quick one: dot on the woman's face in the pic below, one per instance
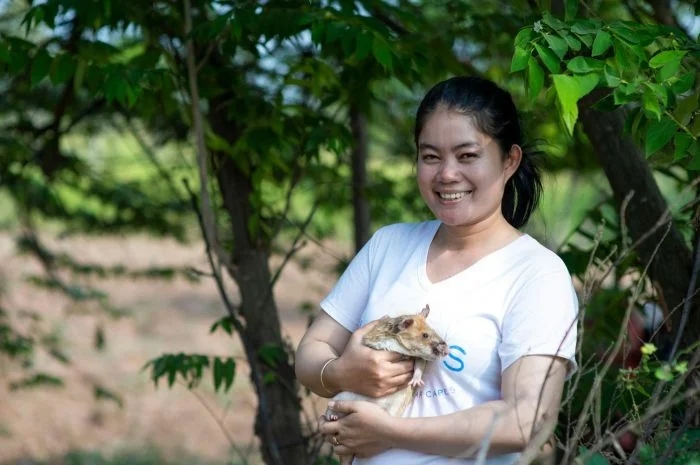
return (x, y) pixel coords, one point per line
(461, 171)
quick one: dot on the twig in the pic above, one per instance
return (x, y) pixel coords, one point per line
(688, 301)
(201, 152)
(219, 423)
(578, 431)
(631, 426)
(150, 154)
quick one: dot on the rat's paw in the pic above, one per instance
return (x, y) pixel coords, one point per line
(332, 417)
(416, 383)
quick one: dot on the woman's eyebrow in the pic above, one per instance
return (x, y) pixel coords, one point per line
(463, 145)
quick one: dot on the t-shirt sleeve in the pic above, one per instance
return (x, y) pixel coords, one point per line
(541, 320)
(348, 298)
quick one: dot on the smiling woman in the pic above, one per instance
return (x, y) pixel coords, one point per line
(504, 304)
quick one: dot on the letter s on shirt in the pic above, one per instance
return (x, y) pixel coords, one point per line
(456, 363)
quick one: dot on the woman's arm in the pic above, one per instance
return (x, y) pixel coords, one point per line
(356, 368)
(531, 387)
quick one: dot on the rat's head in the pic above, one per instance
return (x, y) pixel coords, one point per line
(414, 334)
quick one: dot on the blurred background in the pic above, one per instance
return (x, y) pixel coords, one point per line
(181, 182)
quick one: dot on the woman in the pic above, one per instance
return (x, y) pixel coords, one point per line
(503, 302)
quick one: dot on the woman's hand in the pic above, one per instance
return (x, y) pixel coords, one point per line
(362, 429)
(370, 372)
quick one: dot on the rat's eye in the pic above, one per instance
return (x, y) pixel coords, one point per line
(425, 335)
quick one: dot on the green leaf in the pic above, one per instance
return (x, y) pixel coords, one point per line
(664, 373)
(571, 9)
(669, 70)
(573, 43)
(694, 150)
(218, 372)
(684, 83)
(114, 88)
(586, 83)
(523, 37)
(659, 133)
(601, 44)
(363, 45)
(586, 26)
(627, 33)
(681, 141)
(567, 91)
(552, 22)
(4, 52)
(686, 107)
(229, 373)
(557, 45)
(612, 79)
(626, 58)
(40, 66)
(62, 68)
(624, 93)
(548, 57)
(382, 52)
(102, 393)
(584, 65)
(651, 103)
(668, 56)
(535, 78)
(347, 41)
(520, 59)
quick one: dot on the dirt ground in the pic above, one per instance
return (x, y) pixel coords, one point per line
(166, 317)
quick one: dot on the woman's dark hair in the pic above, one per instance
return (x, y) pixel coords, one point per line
(494, 114)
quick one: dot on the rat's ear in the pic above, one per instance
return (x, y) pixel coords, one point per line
(406, 323)
(426, 311)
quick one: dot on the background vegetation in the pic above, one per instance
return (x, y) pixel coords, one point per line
(277, 134)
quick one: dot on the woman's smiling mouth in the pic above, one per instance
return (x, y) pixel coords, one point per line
(453, 195)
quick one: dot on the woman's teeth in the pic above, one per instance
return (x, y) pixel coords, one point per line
(452, 196)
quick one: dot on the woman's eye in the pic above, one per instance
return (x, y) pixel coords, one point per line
(428, 156)
(467, 155)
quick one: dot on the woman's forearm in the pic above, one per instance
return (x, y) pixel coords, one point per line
(501, 427)
(311, 359)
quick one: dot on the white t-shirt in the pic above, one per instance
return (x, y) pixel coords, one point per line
(516, 301)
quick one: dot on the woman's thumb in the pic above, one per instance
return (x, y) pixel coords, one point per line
(341, 406)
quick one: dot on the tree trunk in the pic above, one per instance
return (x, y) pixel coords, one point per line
(278, 420)
(262, 324)
(358, 126)
(627, 170)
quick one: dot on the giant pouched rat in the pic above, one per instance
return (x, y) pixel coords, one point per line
(409, 335)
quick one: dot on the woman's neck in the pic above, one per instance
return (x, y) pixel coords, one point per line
(492, 233)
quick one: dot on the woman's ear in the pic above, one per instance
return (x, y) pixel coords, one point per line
(513, 159)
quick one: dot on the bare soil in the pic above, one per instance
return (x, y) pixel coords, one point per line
(166, 317)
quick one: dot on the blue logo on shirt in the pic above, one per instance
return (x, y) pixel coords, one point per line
(456, 364)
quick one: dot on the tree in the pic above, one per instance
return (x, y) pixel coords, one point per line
(257, 88)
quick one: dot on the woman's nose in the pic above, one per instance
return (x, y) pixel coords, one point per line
(449, 170)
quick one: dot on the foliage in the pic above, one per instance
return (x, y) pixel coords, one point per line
(653, 67)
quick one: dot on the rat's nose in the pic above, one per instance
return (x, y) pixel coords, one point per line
(440, 349)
